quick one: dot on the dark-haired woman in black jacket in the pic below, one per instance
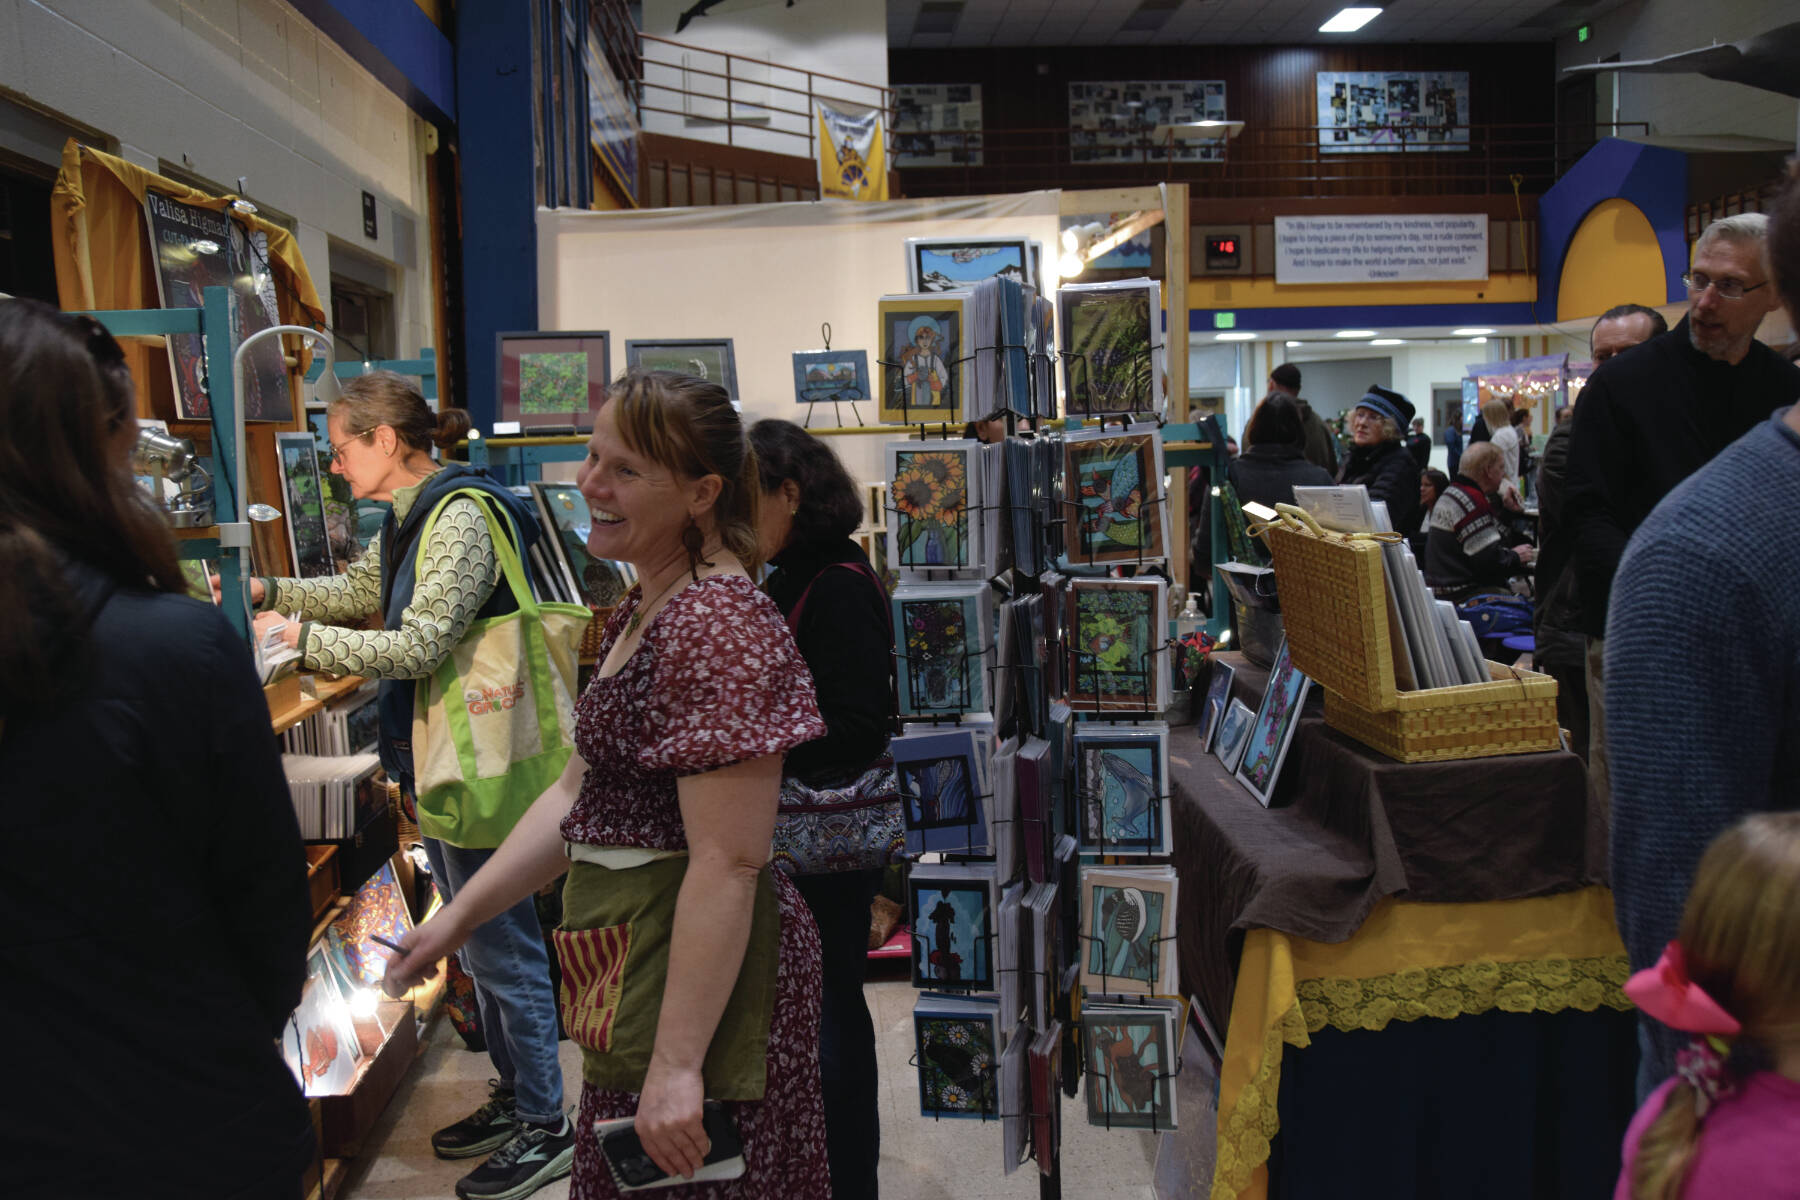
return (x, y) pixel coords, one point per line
(808, 511)
(1274, 457)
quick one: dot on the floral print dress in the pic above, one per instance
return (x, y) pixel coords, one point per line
(716, 680)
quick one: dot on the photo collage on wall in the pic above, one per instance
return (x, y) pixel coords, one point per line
(1364, 112)
(1115, 121)
(937, 125)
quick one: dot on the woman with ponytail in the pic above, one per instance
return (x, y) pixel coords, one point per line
(428, 597)
(1726, 1126)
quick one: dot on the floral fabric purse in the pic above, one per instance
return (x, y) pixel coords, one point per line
(856, 826)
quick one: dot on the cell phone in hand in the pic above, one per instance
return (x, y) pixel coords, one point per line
(634, 1170)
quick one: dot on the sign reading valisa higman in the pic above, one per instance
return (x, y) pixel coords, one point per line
(1390, 249)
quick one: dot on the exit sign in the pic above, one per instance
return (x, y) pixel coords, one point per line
(1582, 34)
(1224, 320)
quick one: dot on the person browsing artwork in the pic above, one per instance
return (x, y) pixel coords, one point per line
(825, 587)
(428, 597)
(154, 946)
(690, 969)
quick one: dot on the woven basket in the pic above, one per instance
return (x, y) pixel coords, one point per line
(591, 637)
(1334, 602)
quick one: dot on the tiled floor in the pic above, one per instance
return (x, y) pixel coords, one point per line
(921, 1159)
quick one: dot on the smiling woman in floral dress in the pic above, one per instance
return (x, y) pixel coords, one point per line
(668, 811)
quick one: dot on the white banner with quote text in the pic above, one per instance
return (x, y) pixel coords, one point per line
(1381, 249)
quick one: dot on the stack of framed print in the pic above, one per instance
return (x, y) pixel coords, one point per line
(926, 367)
(953, 909)
(1121, 789)
(1116, 510)
(711, 359)
(943, 790)
(1129, 1056)
(1118, 657)
(958, 1050)
(1272, 730)
(308, 539)
(1128, 930)
(937, 501)
(595, 582)
(1111, 347)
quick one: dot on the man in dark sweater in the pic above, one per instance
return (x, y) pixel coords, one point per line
(1465, 544)
(1650, 418)
(1561, 646)
(1321, 448)
(1699, 742)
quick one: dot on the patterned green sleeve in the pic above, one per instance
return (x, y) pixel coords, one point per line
(343, 598)
(457, 575)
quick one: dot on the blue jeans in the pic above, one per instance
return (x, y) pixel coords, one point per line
(511, 969)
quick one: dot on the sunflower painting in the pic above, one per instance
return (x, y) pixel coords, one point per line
(929, 496)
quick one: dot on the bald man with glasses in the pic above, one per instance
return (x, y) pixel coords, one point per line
(1649, 419)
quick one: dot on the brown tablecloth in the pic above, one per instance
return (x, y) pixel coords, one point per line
(1348, 825)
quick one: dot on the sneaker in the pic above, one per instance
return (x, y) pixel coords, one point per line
(485, 1129)
(534, 1157)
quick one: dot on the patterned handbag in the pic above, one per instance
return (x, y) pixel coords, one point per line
(856, 826)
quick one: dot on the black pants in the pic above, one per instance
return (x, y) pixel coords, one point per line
(840, 907)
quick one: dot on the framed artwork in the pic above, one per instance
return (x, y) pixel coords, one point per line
(1273, 728)
(958, 264)
(198, 248)
(304, 505)
(1115, 642)
(932, 494)
(1114, 121)
(552, 379)
(946, 633)
(1121, 790)
(1117, 510)
(1111, 347)
(1130, 1066)
(377, 908)
(830, 376)
(941, 790)
(937, 125)
(952, 911)
(958, 1051)
(1370, 112)
(319, 1042)
(1234, 733)
(1128, 930)
(704, 358)
(596, 582)
(1212, 709)
(924, 371)
(343, 511)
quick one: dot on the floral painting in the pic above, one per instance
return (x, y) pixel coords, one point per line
(1111, 647)
(956, 1067)
(943, 667)
(1273, 728)
(930, 494)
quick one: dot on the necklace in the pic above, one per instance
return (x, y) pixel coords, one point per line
(637, 617)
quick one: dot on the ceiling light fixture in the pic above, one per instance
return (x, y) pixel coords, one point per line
(1234, 337)
(1349, 20)
(1354, 333)
(1291, 345)
(1472, 332)
(1479, 341)
(1388, 342)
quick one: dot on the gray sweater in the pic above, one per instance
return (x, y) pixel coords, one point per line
(1702, 679)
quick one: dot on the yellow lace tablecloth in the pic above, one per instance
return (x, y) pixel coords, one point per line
(1408, 961)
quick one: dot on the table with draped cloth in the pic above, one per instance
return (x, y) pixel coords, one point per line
(1416, 967)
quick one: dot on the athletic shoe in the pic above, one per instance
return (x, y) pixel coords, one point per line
(534, 1157)
(485, 1129)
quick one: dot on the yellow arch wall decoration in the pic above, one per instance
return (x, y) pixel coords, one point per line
(1613, 259)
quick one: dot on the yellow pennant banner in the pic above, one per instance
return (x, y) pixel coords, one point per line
(852, 158)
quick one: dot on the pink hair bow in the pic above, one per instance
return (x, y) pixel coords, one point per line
(1666, 993)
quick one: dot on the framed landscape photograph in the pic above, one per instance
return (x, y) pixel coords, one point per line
(552, 379)
(711, 359)
(830, 376)
(957, 264)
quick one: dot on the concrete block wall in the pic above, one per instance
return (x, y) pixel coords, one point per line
(230, 88)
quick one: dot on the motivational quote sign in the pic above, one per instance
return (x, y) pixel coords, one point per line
(1376, 249)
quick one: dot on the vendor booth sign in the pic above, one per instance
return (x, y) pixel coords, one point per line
(1399, 248)
(852, 159)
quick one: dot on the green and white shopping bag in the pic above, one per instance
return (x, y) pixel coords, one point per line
(494, 725)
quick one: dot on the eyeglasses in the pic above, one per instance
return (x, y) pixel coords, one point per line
(337, 448)
(1728, 289)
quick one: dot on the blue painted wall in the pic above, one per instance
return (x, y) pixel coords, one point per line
(396, 43)
(499, 192)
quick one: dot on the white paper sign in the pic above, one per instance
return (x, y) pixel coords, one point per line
(1381, 249)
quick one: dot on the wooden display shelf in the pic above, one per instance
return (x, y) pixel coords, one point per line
(288, 705)
(196, 533)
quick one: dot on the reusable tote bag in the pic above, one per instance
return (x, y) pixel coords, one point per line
(493, 726)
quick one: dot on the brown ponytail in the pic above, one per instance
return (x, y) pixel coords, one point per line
(391, 399)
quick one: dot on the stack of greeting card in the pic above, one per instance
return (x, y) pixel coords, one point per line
(958, 1045)
(925, 364)
(944, 640)
(937, 504)
(1129, 1053)
(1128, 930)
(1111, 354)
(1116, 509)
(1121, 788)
(1116, 635)
(954, 909)
(943, 790)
